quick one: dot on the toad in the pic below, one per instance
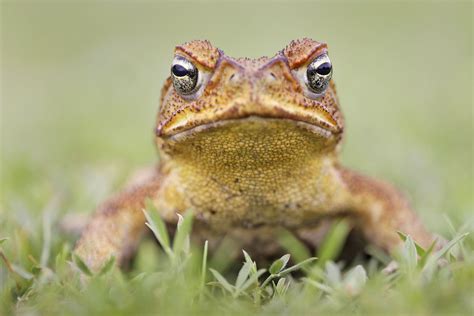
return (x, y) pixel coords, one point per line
(250, 146)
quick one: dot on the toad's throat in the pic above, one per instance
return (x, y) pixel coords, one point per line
(263, 167)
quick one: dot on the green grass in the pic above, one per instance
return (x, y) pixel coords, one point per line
(179, 280)
(79, 89)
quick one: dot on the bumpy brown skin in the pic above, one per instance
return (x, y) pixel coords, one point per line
(250, 152)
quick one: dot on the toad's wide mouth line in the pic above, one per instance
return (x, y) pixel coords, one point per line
(321, 131)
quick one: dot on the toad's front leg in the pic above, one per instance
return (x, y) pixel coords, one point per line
(380, 211)
(117, 225)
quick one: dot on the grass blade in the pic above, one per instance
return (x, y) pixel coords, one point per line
(247, 256)
(204, 264)
(279, 264)
(296, 266)
(182, 232)
(427, 254)
(320, 286)
(243, 274)
(409, 254)
(420, 251)
(81, 265)
(107, 266)
(222, 281)
(157, 226)
(333, 242)
(294, 246)
(253, 279)
(432, 261)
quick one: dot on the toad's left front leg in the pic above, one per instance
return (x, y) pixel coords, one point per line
(380, 211)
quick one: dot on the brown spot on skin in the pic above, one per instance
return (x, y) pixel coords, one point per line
(201, 51)
(299, 51)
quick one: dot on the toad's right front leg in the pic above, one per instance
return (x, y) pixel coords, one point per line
(116, 227)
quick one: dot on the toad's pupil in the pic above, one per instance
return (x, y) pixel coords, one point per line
(324, 69)
(179, 71)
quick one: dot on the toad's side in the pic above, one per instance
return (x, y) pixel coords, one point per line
(251, 146)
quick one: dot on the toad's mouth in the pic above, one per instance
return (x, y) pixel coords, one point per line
(320, 123)
(263, 121)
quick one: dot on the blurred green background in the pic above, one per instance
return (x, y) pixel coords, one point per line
(80, 85)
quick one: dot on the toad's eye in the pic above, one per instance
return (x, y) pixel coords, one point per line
(185, 76)
(318, 74)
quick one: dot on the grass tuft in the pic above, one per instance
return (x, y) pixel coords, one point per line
(426, 281)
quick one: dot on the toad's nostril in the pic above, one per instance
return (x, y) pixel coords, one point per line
(235, 78)
(271, 77)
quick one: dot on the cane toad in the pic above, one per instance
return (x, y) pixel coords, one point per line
(250, 146)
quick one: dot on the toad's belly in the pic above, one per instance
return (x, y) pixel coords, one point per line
(254, 198)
